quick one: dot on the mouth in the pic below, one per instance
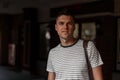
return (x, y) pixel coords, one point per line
(64, 31)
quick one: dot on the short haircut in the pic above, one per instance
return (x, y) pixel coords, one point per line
(65, 12)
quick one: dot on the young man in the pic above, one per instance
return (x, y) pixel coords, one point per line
(67, 60)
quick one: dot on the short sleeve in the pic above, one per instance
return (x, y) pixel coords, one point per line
(94, 55)
(49, 63)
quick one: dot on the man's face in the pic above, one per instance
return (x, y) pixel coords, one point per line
(65, 26)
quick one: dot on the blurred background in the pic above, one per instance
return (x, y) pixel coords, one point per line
(27, 34)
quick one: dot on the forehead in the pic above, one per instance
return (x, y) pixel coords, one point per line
(64, 17)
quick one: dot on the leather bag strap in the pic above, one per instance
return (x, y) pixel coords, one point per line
(90, 72)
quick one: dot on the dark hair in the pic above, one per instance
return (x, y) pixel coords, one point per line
(65, 12)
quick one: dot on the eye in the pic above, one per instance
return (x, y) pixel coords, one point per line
(71, 23)
(61, 23)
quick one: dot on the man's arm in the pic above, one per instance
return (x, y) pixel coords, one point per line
(51, 76)
(97, 73)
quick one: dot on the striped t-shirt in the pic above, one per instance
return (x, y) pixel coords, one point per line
(69, 63)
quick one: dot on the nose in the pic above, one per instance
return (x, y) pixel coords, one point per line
(66, 26)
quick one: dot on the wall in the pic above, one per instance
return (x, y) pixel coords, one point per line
(44, 8)
(117, 7)
(15, 6)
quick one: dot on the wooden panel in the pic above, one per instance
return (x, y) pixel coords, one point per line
(86, 8)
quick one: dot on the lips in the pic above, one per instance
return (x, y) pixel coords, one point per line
(64, 31)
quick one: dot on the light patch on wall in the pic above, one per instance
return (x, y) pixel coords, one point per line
(88, 31)
(76, 31)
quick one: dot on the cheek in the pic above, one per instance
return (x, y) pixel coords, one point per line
(72, 30)
(57, 30)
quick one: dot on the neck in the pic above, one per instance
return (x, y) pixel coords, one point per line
(68, 42)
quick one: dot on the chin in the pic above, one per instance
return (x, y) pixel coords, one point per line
(65, 38)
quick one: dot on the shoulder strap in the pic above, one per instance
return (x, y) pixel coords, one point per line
(85, 44)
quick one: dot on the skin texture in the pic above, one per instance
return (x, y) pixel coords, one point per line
(65, 27)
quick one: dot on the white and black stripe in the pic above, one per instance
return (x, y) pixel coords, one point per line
(69, 62)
